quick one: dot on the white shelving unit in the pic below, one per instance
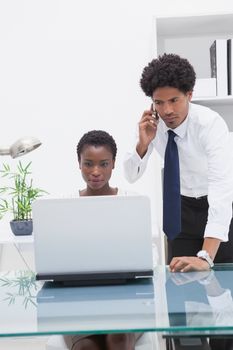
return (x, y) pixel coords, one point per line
(191, 37)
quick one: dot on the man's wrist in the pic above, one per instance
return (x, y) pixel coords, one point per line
(204, 255)
(141, 150)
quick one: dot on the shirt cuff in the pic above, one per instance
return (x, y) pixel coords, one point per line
(218, 231)
(138, 160)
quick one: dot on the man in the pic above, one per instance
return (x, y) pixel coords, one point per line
(205, 163)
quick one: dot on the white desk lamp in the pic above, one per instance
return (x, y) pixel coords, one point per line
(20, 147)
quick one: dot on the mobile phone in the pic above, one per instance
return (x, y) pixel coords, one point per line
(154, 112)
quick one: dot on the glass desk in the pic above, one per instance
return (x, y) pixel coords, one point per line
(172, 303)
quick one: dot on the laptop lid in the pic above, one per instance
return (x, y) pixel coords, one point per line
(86, 238)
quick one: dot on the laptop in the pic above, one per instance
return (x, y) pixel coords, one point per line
(93, 240)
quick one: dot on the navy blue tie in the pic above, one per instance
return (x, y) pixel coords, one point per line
(171, 189)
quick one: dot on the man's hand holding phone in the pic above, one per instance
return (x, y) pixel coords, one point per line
(147, 130)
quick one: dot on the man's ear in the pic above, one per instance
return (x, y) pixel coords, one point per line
(113, 163)
(190, 95)
(79, 164)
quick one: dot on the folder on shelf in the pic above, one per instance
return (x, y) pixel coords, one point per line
(218, 63)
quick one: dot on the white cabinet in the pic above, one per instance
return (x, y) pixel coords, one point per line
(191, 38)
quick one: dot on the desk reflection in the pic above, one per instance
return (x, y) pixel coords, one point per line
(121, 307)
(200, 299)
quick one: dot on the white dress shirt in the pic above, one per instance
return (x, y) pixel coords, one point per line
(206, 164)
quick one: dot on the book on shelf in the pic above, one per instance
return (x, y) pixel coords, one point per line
(230, 65)
(218, 64)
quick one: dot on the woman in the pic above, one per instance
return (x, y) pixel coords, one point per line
(96, 152)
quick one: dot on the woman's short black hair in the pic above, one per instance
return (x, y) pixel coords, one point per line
(97, 138)
(168, 70)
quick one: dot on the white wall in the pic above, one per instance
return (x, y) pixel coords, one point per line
(68, 66)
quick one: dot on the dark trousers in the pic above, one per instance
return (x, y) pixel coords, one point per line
(194, 214)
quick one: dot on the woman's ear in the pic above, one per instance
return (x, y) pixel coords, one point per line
(79, 164)
(113, 164)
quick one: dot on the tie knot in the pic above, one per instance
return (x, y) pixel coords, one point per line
(171, 134)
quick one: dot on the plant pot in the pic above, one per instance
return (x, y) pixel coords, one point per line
(21, 227)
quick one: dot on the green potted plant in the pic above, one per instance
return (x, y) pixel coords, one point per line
(18, 197)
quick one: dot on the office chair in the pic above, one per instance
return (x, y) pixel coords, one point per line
(147, 341)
